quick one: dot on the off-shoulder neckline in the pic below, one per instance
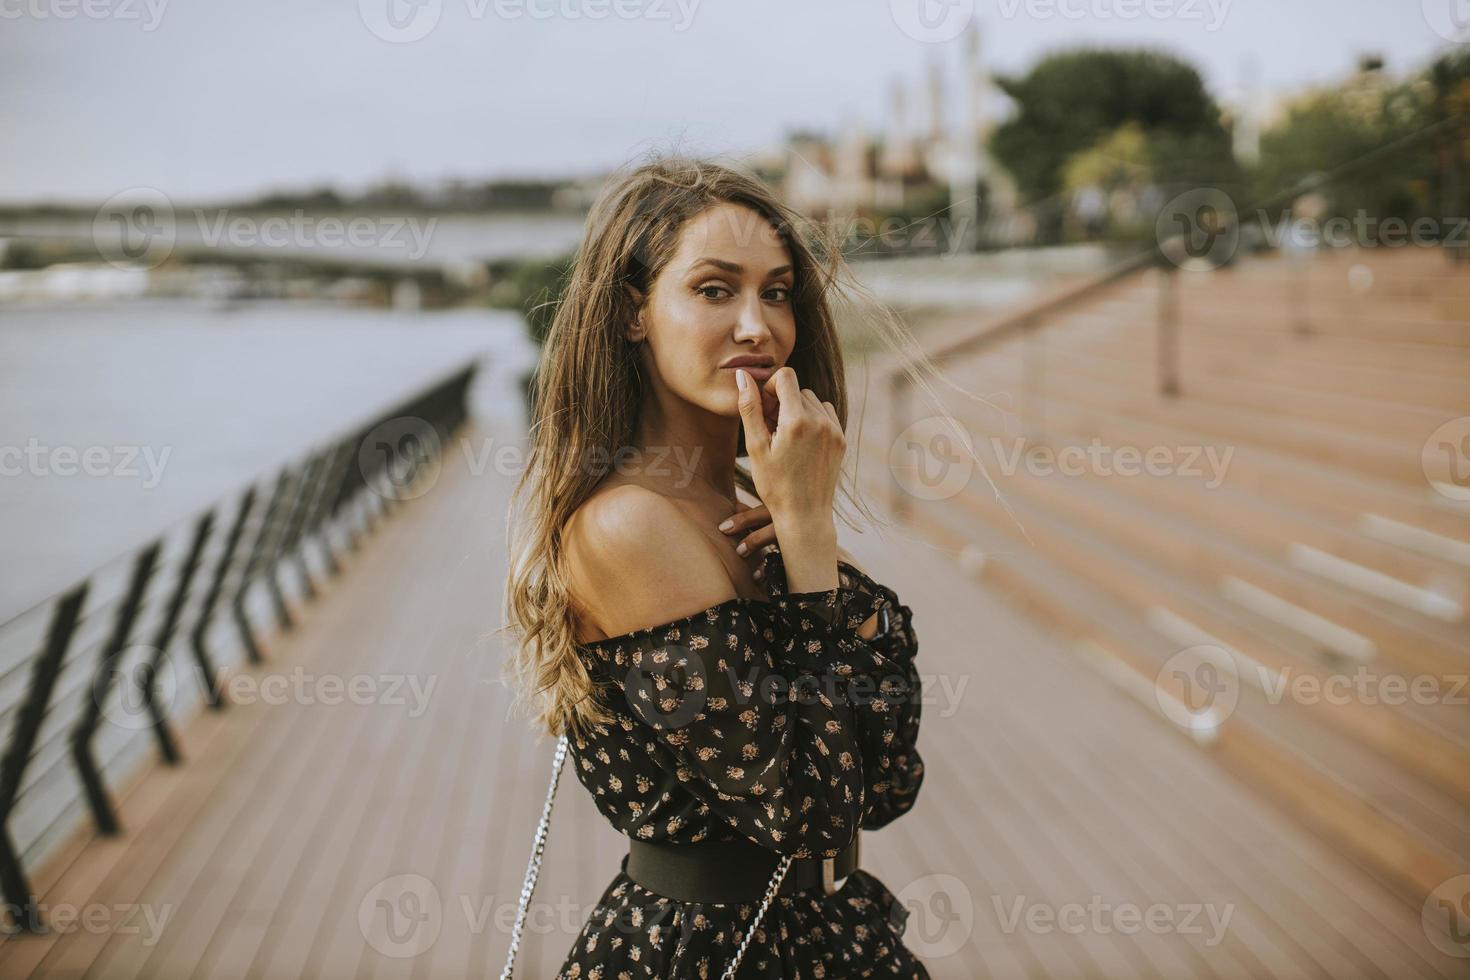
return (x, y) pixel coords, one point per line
(772, 556)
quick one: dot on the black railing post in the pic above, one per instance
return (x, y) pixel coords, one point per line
(1299, 289)
(20, 902)
(318, 523)
(1033, 381)
(898, 410)
(1168, 340)
(271, 570)
(1451, 162)
(200, 636)
(301, 506)
(158, 714)
(247, 577)
(350, 502)
(103, 813)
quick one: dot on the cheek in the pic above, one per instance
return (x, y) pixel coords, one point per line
(696, 336)
(687, 354)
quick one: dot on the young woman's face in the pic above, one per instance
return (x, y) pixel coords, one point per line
(726, 293)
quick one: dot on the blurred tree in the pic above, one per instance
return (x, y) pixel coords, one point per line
(1107, 181)
(1073, 100)
(533, 287)
(1337, 130)
(1449, 80)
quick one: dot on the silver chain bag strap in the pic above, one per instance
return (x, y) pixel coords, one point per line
(534, 868)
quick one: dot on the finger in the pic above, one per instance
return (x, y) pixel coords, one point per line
(788, 391)
(742, 520)
(746, 518)
(770, 404)
(832, 412)
(810, 397)
(758, 539)
(757, 435)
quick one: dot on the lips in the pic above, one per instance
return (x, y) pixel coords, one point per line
(759, 373)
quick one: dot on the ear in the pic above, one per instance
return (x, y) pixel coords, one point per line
(635, 294)
(632, 330)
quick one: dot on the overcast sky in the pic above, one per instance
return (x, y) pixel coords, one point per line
(214, 99)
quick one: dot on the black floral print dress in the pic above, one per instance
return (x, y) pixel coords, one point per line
(697, 754)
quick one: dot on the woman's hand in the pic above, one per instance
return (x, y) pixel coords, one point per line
(752, 525)
(795, 468)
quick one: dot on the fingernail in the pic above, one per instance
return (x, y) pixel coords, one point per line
(740, 548)
(758, 573)
(740, 378)
(727, 524)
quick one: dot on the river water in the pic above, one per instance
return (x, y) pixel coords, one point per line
(119, 420)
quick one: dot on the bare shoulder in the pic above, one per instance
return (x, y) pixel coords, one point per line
(638, 560)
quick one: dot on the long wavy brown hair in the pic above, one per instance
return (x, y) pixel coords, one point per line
(588, 388)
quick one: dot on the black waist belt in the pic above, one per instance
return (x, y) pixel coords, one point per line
(728, 871)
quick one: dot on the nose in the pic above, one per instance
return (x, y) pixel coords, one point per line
(751, 324)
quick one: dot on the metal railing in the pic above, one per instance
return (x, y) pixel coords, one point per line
(1028, 321)
(64, 661)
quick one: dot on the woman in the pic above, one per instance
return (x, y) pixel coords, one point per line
(772, 711)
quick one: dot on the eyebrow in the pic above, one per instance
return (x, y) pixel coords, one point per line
(735, 267)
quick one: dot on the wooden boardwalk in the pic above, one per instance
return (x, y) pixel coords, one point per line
(1062, 831)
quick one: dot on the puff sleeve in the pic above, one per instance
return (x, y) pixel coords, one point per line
(893, 766)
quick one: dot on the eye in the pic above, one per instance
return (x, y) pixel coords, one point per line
(784, 290)
(704, 290)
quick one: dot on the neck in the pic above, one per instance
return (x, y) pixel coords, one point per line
(692, 449)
